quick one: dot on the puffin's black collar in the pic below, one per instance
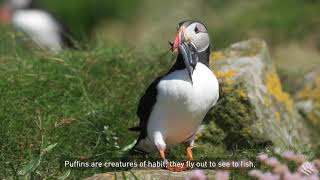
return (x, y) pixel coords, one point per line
(204, 56)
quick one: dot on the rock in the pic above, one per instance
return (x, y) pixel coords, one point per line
(308, 100)
(147, 174)
(253, 110)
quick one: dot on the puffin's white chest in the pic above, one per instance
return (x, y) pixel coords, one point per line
(181, 106)
(40, 26)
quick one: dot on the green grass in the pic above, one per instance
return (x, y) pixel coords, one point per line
(76, 105)
(83, 101)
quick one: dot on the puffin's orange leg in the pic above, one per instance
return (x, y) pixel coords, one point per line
(162, 155)
(189, 156)
(189, 153)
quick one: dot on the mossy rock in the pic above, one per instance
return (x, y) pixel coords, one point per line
(308, 100)
(253, 110)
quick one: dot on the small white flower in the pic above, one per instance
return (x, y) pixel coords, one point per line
(306, 168)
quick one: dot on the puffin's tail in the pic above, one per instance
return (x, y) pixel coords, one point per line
(131, 153)
(134, 151)
(132, 148)
(129, 147)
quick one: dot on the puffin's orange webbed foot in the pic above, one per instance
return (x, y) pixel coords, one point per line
(178, 167)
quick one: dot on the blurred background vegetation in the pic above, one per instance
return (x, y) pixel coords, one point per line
(290, 27)
(74, 98)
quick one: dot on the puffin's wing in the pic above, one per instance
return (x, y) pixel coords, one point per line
(65, 34)
(64, 31)
(145, 107)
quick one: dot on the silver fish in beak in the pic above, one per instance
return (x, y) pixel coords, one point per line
(190, 57)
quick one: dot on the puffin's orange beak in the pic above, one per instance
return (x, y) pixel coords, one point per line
(5, 15)
(176, 42)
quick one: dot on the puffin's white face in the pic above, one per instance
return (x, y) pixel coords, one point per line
(194, 32)
(192, 39)
(18, 4)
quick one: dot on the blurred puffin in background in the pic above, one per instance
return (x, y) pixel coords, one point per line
(39, 25)
(174, 105)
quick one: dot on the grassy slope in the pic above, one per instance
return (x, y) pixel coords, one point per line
(70, 99)
(83, 101)
(80, 100)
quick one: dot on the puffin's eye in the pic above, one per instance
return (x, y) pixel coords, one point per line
(196, 29)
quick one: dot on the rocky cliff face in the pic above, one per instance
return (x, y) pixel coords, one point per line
(253, 110)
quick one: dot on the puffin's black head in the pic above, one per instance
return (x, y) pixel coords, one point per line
(9, 6)
(19, 4)
(192, 39)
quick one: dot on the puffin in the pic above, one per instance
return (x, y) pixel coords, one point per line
(39, 25)
(175, 104)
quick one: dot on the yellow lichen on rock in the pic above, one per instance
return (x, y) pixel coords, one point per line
(310, 93)
(246, 132)
(313, 118)
(274, 88)
(242, 93)
(226, 76)
(215, 56)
